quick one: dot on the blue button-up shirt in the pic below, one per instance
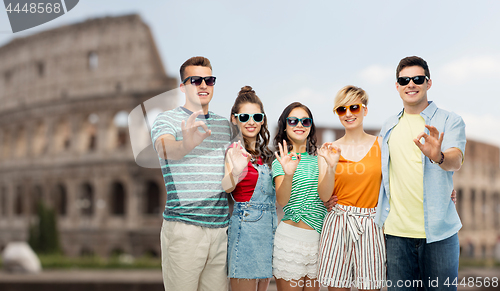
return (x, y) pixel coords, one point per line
(440, 215)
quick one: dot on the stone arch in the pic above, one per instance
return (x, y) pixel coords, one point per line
(496, 210)
(118, 131)
(473, 208)
(86, 251)
(485, 209)
(60, 199)
(36, 198)
(93, 60)
(3, 201)
(39, 140)
(116, 251)
(62, 141)
(8, 76)
(469, 249)
(6, 144)
(18, 201)
(88, 133)
(20, 149)
(460, 201)
(118, 199)
(86, 200)
(40, 68)
(152, 198)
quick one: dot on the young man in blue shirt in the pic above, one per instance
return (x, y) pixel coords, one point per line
(422, 146)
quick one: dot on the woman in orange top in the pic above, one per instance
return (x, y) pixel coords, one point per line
(352, 246)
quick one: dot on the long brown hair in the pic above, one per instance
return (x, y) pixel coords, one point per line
(281, 134)
(247, 95)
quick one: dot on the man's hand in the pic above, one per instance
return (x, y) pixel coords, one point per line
(191, 136)
(331, 203)
(432, 146)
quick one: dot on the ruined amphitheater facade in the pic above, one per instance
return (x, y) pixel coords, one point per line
(478, 201)
(66, 94)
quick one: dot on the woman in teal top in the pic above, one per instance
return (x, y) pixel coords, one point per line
(295, 174)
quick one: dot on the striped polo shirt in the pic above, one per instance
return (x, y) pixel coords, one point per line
(194, 192)
(304, 203)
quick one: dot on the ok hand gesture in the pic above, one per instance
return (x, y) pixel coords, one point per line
(432, 146)
(331, 154)
(287, 163)
(238, 158)
(191, 136)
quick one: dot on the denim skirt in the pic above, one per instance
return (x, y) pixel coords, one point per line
(251, 232)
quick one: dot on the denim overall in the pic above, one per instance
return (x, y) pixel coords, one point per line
(251, 231)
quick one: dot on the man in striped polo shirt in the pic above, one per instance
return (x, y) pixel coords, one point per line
(190, 142)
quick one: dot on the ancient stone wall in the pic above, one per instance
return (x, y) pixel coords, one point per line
(478, 187)
(66, 94)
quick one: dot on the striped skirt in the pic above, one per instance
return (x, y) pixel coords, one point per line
(352, 249)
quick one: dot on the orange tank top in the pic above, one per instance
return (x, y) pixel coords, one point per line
(358, 183)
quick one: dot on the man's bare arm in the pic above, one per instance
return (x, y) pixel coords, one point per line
(432, 149)
(168, 148)
(452, 160)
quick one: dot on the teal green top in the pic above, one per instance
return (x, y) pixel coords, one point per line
(304, 203)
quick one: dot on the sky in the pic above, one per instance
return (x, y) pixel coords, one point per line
(296, 51)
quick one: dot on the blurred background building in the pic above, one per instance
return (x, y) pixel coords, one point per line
(64, 101)
(65, 97)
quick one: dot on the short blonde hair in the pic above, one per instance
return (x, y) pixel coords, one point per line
(348, 94)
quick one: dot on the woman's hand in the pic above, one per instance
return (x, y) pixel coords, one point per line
(331, 153)
(238, 158)
(287, 163)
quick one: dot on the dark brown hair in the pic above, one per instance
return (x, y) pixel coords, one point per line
(194, 61)
(247, 95)
(281, 134)
(413, 61)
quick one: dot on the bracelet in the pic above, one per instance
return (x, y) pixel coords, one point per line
(440, 162)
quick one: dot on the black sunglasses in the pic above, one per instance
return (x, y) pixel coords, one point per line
(196, 80)
(294, 121)
(418, 80)
(244, 117)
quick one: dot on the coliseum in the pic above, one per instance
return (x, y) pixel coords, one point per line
(478, 201)
(66, 94)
